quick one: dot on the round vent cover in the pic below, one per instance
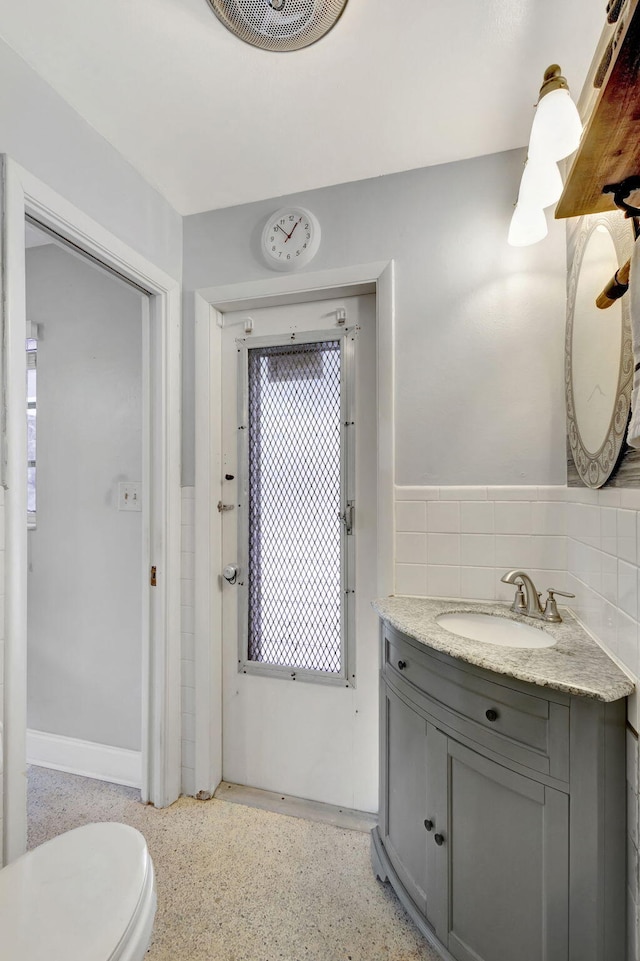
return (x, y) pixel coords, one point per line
(278, 25)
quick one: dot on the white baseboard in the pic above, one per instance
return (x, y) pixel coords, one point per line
(87, 758)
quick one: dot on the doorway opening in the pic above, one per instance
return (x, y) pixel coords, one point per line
(85, 495)
(25, 196)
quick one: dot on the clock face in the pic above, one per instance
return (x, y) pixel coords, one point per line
(290, 238)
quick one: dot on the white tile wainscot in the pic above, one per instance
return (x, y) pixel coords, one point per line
(457, 541)
(583, 541)
(187, 662)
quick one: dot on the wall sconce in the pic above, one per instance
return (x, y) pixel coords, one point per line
(555, 134)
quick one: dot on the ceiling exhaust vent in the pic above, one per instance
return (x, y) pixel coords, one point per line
(279, 25)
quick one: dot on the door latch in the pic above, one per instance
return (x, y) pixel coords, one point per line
(152, 577)
(224, 507)
(347, 517)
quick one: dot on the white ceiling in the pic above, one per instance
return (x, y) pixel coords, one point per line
(212, 122)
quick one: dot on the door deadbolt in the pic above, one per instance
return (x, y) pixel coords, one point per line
(230, 573)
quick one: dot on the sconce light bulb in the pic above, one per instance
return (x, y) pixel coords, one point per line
(541, 183)
(528, 226)
(556, 128)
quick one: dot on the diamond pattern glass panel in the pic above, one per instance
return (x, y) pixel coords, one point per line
(294, 579)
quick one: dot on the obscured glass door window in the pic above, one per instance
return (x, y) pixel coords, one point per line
(296, 513)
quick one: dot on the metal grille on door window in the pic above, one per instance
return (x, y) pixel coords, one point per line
(32, 348)
(295, 579)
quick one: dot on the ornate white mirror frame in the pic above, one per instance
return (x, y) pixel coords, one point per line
(598, 350)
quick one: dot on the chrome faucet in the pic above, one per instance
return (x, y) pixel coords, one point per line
(527, 599)
(524, 603)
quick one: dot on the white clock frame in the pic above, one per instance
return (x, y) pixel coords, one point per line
(300, 255)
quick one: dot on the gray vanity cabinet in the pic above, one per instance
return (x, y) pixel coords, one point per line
(501, 821)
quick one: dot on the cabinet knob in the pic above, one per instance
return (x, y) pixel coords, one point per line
(439, 839)
(402, 665)
(491, 715)
(428, 824)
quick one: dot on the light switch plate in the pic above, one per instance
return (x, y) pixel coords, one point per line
(129, 495)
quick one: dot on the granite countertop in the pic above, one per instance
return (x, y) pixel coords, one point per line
(575, 664)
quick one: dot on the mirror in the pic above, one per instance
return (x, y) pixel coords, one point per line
(598, 354)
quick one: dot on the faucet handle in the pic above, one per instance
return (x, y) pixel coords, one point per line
(519, 605)
(551, 607)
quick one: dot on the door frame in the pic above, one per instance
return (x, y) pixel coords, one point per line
(210, 305)
(24, 195)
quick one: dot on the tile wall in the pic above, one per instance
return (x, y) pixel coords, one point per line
(457, 542)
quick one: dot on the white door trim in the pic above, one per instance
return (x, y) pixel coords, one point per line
(210, 303)
(25, 195)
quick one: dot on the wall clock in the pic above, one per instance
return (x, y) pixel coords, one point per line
(290, 239)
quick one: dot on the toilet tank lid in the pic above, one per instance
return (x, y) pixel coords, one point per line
(75, 895)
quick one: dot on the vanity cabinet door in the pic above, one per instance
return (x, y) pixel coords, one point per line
(404, 788)
(502, 858)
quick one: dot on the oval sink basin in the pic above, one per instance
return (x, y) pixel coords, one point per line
(490, 629)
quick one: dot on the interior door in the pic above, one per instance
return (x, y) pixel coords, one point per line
(307, 737)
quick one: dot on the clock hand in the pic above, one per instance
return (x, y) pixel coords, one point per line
(284, 231)
(294, 227)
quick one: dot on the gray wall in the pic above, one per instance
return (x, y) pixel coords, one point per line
(480, 325)
(45, 135)
(84, 581)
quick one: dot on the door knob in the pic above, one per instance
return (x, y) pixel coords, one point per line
(491, 715)
(402, 665)
(439, 839)
(428, 824)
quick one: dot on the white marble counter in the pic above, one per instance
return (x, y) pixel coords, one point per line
(575, 664)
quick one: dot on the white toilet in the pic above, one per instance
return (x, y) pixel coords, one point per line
(87, 895)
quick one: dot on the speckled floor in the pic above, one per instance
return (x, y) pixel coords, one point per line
(240, 884)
